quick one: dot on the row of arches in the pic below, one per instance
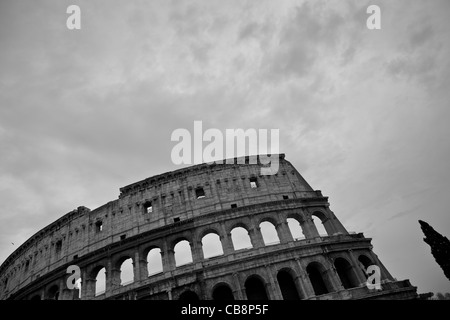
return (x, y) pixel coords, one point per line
(211, 246)
(318, 276)
(288, 282)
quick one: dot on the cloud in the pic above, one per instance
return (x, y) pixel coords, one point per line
(362, 114)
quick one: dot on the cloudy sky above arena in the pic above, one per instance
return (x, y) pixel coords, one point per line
(363, 114)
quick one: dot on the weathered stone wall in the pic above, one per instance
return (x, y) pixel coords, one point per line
(123, 228)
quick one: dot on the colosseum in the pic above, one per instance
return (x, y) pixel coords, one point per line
(229, 205)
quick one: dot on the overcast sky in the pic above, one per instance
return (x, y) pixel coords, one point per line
(363, 114)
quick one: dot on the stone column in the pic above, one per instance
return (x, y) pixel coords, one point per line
(89, 285)
(238, 292)
(84, 286)
(256, 237)
(110, 285)
(227, 244)
(115, 278)
(167, 258)
(197, 251)
(283, 232)
(169, 263)
(333, 276)
(309, 229)
(137, 270)
(305, 282)
(275, 292)
(362, 279)
(329, 226)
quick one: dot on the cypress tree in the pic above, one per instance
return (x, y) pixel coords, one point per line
(440, 247)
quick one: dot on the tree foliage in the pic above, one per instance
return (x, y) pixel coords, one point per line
(440, 247)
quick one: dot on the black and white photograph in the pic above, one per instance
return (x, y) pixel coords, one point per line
(224, 154)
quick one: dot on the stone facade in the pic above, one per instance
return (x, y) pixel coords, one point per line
(188, 204)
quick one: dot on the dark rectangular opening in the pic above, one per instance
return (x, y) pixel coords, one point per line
(233, 205)
(148, 208)
(199, 193)
(176, 219)
(122, 237)
(98, 226)
(58, 247)
(253, 183)
(285, 197)
(75, 257)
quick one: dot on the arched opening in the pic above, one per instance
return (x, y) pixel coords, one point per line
(287, 286)
(365, 263)
(126, 272)
(346, 273)
(53, 293)
(315, 271)
(296, 229)
(269, 233)
(188, 295)
(319, 226)
(100, 281)
(211, 245)
(183, 254)
(36, 297)
(255, 289)
(222, 292)
(240, 239)
(154, 262)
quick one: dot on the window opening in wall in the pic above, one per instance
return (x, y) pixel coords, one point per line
(211, 246)
(253, 183)
(75, 257)
(122, 237)
(182, 253)
(98, 226)
(148, 208)
(233, 205)
(154, 262)
(58, 247)
(285, 197)
(199, 193)
(126, 272)
(100, 282)
(176, 219)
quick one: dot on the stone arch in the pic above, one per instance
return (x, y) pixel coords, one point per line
(98, 274)
(295, 222)
(269, 232)
(182, 252)
(255, 288)
(364, 262)
(240, 237)
(319, 280)
(346, 273)
(295, 228)
(208, 230)
(124, 265)
(322, 223)
(211, 245)
(53, 292)
(188, 295)
(222, 292)
(153, 256)
(286, 282)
